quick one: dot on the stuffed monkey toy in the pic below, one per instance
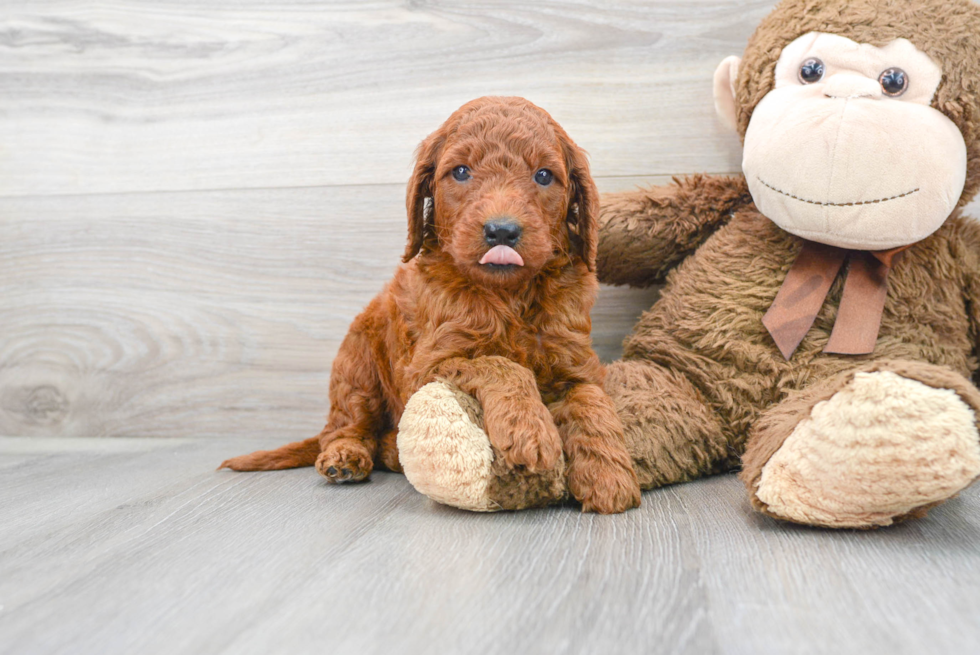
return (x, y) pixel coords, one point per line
(819, 322)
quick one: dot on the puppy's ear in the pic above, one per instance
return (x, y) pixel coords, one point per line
(583, 204)
(420, 187)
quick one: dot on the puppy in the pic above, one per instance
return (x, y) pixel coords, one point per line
(494, 297)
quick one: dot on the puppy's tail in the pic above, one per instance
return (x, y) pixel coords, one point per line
(292, 455)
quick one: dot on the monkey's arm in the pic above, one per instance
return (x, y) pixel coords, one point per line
(645, 233)
(966, 255)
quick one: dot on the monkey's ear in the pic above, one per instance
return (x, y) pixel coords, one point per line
(725, 76)
(420, 187)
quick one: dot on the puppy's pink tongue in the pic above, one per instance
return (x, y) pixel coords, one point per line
(502, 256)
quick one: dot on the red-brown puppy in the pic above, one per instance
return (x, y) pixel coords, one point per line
(494, 297)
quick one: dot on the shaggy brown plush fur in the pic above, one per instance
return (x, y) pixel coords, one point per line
(701, 379)
(703, 348)
(516, 338)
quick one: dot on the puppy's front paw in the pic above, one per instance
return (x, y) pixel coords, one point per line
(603, 486)
(345, 460)
(525, 435)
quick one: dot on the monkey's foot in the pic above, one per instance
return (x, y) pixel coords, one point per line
(881, 449)
(446, 455)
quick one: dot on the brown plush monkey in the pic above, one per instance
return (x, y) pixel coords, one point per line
(820, 319)
(823, 337)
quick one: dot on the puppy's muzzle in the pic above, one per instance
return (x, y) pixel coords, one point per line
(502, 236)
(502, 233)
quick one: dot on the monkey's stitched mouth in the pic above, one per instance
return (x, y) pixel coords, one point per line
(836, 204)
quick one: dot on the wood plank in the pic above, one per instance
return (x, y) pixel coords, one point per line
(121, 96)
(191, 314)
(792, 589)
(221, 562)
(134, 466)
(100, 543)
(185, 314)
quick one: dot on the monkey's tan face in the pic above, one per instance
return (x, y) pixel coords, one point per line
(846, 149)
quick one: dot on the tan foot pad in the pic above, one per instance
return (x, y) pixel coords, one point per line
(875, 451)
(443, 449)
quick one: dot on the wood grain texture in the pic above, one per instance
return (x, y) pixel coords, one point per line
(122, 546)
(124, 96)
(194, 314)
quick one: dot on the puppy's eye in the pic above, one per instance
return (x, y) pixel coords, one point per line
(811, 71)
(544, 177)
(461, 173)
(894, 82)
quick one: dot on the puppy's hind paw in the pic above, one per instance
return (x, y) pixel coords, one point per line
(345, 460)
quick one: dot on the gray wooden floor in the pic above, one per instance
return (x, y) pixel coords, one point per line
(138, 546)
(196, 198)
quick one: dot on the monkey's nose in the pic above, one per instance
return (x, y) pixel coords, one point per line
(851, 85)
(501, 233)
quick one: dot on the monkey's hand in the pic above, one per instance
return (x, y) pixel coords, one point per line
(645, 233)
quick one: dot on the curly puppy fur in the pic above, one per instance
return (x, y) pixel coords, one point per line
(515, 337)
(701, 379)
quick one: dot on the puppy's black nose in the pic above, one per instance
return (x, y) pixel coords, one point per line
(501, 233)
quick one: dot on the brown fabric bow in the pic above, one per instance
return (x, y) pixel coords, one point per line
(805, 289)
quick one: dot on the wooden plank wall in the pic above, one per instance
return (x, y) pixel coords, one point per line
(197, 198)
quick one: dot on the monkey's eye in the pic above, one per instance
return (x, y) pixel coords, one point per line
(544, 177)
(811, 71)
(894, 82)
(461, 173)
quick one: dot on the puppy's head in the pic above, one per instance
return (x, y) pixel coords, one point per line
(503, 191)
